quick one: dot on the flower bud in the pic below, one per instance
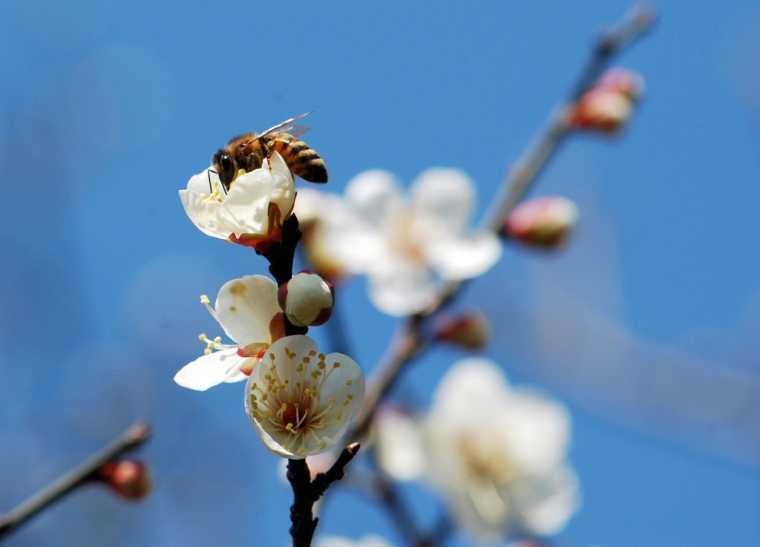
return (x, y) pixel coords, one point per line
(609, 103)
(306, 299)
(469, 330)
(130, 479)
(542, 222)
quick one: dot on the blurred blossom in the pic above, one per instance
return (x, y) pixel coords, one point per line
(609, 103)
(407, 247)
(248, 311)
(366, 541)
(250, 212)
(543, 222)
(318, 213)
(497, 454)
(399, 445)
(300, 400)
(306, 299)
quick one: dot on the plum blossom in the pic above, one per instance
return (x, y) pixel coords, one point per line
(366, 541)
(301, 400)
(248, 311)
(250, 212)
(407, 247)
(496, 453)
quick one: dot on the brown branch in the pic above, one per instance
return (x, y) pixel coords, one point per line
(306, 492)
(409, 341)
(132, 438)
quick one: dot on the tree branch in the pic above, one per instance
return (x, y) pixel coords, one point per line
(132, 438)
(409, 341)
(306, 492)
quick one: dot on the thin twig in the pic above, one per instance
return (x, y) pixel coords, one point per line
(132, 438)
(409, 341)
(306, 492)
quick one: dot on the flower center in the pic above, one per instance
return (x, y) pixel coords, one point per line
(402, 238)
(485, 461)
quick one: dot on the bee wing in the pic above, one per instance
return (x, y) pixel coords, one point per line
(288, 126)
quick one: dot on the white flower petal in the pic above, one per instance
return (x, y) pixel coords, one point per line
(443, 200)
(401, 287)
(546, 504)
(537, 430)
(376, 197)
(463, 257)
(245, 307)
(210, 370)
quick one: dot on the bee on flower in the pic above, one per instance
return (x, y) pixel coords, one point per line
(249, 212)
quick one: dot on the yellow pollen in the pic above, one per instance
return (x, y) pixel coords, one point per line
(349, 382)
(205, 300)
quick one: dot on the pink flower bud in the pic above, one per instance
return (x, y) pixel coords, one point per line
(469, 330)
(130, 479)
(306, 299)
(609, 103)
(542, 222)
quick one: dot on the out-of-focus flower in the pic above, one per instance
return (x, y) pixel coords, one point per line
(306, 299)
(408, 247)
(366, 541)
(318, 213)
(497, 454)
(609, 103)
(542, 222)
(399, 445)
(248, 311)
(469, 330)
(300, 400)
(130, 479)
(251, 212)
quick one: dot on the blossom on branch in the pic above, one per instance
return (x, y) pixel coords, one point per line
(407, 247)
(318, 213)
(248, 311)
(496, 453)
(250, 212)
(300, 400)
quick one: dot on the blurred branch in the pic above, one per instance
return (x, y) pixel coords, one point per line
(409, 341)
(132, 438)
(306, 492)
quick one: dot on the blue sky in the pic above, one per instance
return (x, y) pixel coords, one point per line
(645, 325)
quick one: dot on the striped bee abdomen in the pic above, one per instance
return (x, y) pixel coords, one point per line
(300, 157)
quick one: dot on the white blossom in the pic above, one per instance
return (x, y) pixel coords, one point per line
(251, 212)
(496, 453)
(301, 400)
(248, 311)
(407, 247)
(366, 541)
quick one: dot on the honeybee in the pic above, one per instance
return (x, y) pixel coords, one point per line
(247, 152)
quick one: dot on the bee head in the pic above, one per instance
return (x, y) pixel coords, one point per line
(225, 167)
